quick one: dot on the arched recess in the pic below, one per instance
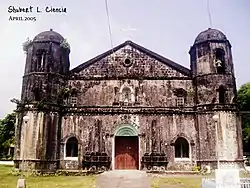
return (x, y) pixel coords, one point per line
(126, 130)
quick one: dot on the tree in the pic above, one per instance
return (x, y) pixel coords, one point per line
(243, 99)
(7, 132)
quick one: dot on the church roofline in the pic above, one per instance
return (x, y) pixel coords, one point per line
(150, 53)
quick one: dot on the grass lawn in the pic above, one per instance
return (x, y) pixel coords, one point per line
(10, 181)
(191, 181)
(177, 182)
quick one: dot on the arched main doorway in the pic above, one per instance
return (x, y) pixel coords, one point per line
(126, 148)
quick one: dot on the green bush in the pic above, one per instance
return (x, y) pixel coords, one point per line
(196, 168)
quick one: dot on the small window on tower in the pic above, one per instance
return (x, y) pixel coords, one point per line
(220, 61)
(222, 92)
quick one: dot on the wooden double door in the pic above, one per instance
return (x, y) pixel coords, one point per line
(126, 152)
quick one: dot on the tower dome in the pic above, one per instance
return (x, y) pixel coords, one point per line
(210, 35)
(48, 52)
(48, 36)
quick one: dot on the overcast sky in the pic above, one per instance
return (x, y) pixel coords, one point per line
(167, 27)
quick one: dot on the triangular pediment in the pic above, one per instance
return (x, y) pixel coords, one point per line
(130, 60)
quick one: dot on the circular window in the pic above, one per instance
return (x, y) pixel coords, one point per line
(127, 62)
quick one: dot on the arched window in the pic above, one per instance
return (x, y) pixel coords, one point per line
(72, 147)
(222, 92)
(220, 61)
(181, 148)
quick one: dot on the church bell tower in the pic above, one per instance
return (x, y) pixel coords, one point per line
(46, 70)
(215, 94)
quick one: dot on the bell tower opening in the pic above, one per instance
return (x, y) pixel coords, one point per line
(41, 58)
(220, 61)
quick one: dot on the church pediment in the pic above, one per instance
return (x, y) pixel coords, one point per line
(130, 60)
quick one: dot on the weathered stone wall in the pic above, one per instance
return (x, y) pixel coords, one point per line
(69, 164)
(228, 136)
(207, 89)
(97, 96)
(228, 141)
(141, 65)
(150, 93)
(169, 128)
(38, 138)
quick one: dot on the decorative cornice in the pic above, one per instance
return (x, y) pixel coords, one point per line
(213, 74)
(78, 77)
(112, 110)
(128, 110)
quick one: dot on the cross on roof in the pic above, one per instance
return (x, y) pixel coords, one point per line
(128, 30)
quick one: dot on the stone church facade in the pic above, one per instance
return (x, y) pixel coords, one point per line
(128, 108)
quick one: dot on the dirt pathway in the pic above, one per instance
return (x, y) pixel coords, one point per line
(123, 179)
